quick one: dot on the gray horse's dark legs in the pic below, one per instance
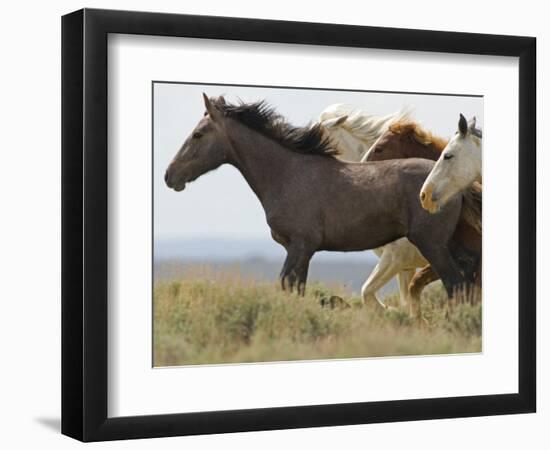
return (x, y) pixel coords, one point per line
(295, 268)
(443, 264)
(432, 234)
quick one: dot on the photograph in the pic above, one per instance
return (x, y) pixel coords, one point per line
(258, 225)
(295, 224)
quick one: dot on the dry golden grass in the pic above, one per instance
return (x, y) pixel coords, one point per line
(205, 317)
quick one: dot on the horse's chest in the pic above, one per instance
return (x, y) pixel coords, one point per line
(284, 240)
(289, 224)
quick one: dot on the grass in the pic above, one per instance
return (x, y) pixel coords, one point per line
(206, 317)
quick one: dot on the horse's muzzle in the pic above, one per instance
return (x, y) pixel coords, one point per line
(427, 199)
(171, 182)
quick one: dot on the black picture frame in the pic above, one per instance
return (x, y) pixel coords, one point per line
(84, 224)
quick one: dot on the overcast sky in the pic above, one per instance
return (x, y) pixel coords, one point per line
(220, 204)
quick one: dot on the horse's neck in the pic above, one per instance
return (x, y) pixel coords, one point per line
(353, 153)
(355, 148)
(479, 162)
(261, 161)
(429, 151)
(373, 129)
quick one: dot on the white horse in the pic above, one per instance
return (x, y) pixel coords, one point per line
(354, 133)
(457, 168)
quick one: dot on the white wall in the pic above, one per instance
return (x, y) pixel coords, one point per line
(30, 236)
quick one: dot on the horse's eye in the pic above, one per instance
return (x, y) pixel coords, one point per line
(448, 156)
(197, 135)
(378, 149)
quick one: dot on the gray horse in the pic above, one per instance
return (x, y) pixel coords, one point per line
(312, 200)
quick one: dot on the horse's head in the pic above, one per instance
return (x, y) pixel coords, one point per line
(405, 140)
(349, 146)
(205, 149)
(389, 146)
(456, 169)
(385, 147)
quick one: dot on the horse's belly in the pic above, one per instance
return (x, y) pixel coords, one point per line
(362, 237)
(368, 219)
(405, 253)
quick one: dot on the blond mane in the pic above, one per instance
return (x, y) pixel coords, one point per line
(367, 127)
(415, 131)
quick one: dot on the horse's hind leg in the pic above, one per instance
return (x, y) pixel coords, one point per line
(421, 279)
(404, 279)
(383, 272)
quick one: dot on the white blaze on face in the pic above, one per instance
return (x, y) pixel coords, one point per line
(456, 169)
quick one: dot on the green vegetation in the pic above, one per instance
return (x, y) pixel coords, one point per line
(214, 318)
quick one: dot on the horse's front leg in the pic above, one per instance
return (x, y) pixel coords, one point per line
(295, 268)
(442, 263)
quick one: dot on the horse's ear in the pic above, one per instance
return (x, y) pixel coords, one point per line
(210, 108)
(207, 103)
(334, 122)
(221, 99)
(341, 120)
(472, 123)
(462, 125)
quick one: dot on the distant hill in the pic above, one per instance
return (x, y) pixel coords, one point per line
(352, 275)
(261, 259)
(231, 249)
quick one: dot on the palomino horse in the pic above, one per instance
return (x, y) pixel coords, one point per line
(312, 200)
(458, 166)
(407, 139)
(354, 132)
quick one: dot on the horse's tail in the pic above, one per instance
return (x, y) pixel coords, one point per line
(471, 206)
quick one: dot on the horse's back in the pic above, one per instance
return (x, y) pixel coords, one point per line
(403, 173)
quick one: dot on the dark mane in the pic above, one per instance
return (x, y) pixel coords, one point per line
(476, 132)
(261, 117)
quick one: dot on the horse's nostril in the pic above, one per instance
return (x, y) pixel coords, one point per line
(166, 177)
(422, 196)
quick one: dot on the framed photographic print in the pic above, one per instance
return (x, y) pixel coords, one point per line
(274, 224)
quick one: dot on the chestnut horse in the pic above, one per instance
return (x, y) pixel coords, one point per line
(314, 201)
(407, 139)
